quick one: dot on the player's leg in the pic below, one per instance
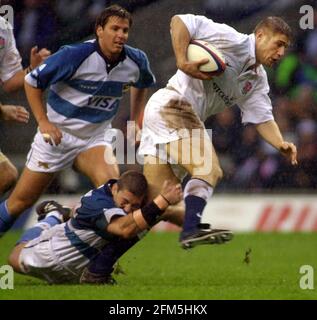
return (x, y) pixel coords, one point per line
(205, 173)
(43, 161)
(29, 188)
(197, 155)
(93, 164)
(100, 269)
(8, 174)
(156, 173)
(50, 213)
(14, 258)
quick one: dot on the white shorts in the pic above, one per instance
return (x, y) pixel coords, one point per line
(46, 158)
(53, 258)
(37, 259)
(167, 117)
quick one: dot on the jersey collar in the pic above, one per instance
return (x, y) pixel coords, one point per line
(110, 64)
(108, 185)
(251, 63)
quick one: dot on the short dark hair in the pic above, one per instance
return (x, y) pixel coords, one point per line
(112, 11)
(276, 25)
(133, 181)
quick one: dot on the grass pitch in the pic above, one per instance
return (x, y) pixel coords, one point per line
(157, 268)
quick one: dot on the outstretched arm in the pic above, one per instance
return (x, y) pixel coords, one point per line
(138, 99)
(137, 103)
(271, 133)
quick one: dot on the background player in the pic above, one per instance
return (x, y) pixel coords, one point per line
(86, 82)
(12, 78)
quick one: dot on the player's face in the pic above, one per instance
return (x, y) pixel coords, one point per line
(270, 47)
(113, 36)
(126, 200)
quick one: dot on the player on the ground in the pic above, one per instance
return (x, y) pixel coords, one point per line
(86, 82)
(57, 249)
(12, 78)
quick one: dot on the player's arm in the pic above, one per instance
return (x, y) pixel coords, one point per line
(180, 41)
(139, 92)
(130, 225)
(36, 101)
(138, 98)
(17, 80)
(271, 133)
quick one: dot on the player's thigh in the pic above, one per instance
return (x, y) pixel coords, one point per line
(8, 173)
(156, 173)
(197, 156)
(28, 189)
(98, 164)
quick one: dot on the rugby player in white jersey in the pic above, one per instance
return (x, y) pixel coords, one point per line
(58, 249)
(12, 78)
(191, 96)
(85, 83)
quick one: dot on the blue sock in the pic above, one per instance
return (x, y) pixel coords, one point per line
(111, 252)
(6, 220)
(34, 232)
(194, 207)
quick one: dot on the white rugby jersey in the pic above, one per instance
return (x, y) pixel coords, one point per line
(237, 85)
(10, 59)
(83, 97)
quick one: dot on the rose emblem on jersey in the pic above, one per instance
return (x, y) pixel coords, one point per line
(2, 43)
(247, 87)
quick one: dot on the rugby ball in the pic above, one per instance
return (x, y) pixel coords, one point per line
(199, 49)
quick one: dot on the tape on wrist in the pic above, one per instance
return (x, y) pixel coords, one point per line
(150, 212)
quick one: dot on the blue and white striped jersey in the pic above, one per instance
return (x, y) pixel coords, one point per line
(83, 96)
(79, 240)
(96, 210)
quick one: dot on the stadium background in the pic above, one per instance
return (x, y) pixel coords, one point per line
(260, 190)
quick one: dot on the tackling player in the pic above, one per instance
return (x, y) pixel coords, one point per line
(57, 249)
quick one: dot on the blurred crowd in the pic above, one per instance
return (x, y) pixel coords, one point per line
(52, 23)
(248, 163)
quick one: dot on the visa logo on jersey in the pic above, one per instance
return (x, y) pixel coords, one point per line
(105, 103)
